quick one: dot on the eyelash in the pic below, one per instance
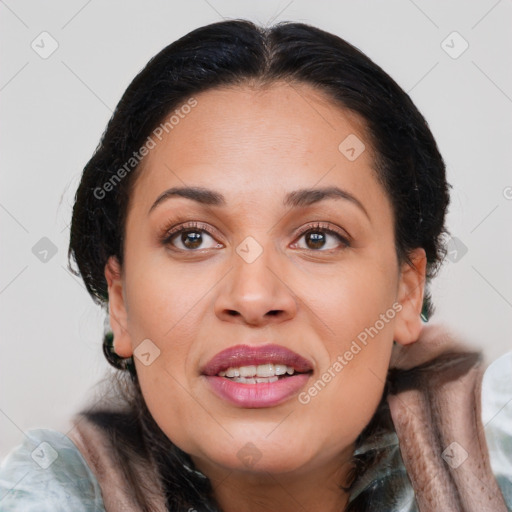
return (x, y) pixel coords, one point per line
(324, 228)
(170, 233)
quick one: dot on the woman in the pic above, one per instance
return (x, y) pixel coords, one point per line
(261, 218)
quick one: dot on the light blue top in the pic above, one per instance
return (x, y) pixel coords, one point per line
(47, 473)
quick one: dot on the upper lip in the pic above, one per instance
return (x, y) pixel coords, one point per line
(247, 355)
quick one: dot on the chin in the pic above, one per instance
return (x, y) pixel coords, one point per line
(259, 455)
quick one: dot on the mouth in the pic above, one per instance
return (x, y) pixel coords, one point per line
(265, 361)
(262, 376)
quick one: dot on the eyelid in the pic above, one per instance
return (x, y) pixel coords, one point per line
(344, 237)
(172, 229)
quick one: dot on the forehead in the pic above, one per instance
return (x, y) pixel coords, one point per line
(284, 119)
(242, 140)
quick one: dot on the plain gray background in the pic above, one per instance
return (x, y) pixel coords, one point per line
(55, 108)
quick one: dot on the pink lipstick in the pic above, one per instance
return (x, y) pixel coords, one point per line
(257, 376)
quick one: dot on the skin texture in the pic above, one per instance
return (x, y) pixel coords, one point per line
(255, 145)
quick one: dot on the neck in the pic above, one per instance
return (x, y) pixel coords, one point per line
(316, 488)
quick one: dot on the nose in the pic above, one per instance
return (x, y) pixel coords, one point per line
(255, 294)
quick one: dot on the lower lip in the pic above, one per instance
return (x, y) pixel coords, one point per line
(263, 394)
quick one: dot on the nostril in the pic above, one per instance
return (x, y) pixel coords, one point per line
(274, 312)
(232, 312)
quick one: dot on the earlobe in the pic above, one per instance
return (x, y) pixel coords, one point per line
(411, 289)
(117, 308)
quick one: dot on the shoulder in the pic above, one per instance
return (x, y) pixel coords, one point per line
(387, 482)
(47, 472)
(497, 420)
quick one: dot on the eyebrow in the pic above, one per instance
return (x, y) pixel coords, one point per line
(296, 199)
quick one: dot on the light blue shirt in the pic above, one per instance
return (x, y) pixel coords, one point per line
(47, 473)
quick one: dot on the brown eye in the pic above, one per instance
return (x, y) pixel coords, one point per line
(321, 239)
(192, 239)
(315, 240)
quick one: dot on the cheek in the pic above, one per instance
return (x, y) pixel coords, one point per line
(357, 309)
(348, 404)
(345, 393)
(350, 299)
(164, 305)
(161, 294)
(168, 403)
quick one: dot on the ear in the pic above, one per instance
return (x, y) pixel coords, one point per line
(117, 308)
(411, 289)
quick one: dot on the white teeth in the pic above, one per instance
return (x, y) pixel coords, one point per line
(265, 370)
(247, 371)
(262, 370)
(257, 380)
(280, 369)
(268, 379)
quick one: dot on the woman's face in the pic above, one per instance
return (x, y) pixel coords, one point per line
(289, 242)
